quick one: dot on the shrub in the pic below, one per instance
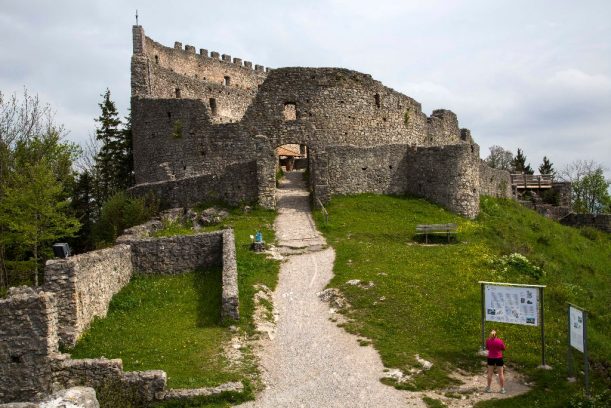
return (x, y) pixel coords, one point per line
(517, 263)
(121, 212)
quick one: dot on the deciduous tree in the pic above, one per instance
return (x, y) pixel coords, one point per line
(499, 158)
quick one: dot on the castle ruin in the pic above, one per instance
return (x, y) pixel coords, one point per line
(206, 128)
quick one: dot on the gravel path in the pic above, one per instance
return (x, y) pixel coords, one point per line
(310, 362)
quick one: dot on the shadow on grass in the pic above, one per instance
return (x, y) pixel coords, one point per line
(208, 285)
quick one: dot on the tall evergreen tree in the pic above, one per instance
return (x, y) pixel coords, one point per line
(518, 165)
(110, 157)
(547, 167)
(82, 206)
(126, 156)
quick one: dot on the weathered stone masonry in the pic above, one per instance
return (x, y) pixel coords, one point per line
(206, 128)
(78, 289)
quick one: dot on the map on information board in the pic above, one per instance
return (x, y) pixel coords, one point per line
(512, 304)
(576, 324)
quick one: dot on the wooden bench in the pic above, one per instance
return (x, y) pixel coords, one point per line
(426, 229)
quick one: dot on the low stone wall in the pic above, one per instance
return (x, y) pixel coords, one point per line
(599, 221)
(84, 285)
(230, 294)
(28, 340)
(494, 182)
(139, 387)
(178, 254)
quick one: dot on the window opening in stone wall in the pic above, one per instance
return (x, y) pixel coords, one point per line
(227, 81)
(213, 108)
(156, 59)
(290, 111)
(177, 91)
(377, 99)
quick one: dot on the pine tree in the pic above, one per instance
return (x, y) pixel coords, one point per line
(547, 167)
(109, 159)
(82, 206)
(518, 165)
(126, 156)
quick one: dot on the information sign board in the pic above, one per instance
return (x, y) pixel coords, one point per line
(576, 328)
(512, 304)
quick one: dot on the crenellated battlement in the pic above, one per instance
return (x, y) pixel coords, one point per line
(140, 48)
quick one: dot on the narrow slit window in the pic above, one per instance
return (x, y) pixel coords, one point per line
(290, 111)
(156, 59)
(377, 100)
(177, 92)
(213, 108)
(227, 81)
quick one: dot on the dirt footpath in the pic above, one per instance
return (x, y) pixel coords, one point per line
(311, 362)
(306, 359)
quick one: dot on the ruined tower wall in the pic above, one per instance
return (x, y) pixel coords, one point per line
(333, 107)
(226, 85)
(446, 175)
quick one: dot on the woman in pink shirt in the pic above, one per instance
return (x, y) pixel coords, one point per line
(495, 347)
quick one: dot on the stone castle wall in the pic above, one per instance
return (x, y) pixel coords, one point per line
(494, 182)
(446, 175)
(164, 72)
(182, 149)
(84, 285)
(28, 340)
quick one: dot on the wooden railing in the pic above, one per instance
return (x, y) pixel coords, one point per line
(531, 181)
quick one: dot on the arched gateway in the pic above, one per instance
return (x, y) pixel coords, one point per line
(207, 127)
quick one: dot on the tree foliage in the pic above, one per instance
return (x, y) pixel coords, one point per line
(33, 213)
(499, 158)
(589, 189)
(121, 212)
(547, 167)
(36, 179)
(114, 158)
(519, 165)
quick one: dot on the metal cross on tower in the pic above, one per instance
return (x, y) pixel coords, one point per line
(136, 17)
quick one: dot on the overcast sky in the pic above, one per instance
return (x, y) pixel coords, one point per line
(530, 74)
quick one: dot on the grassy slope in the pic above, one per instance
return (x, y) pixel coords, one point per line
(172, 323)
(431, 297)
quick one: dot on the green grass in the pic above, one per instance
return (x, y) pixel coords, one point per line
(432, 298)
(169, 323)
(173, 323)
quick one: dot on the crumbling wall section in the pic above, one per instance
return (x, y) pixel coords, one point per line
(177, 254)
(446, 175)
(494, 182)
(107, 376)
(28, 340)
(84, 285)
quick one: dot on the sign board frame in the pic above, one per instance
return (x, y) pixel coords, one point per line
(540, 308)
(573, 340)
